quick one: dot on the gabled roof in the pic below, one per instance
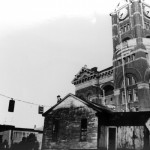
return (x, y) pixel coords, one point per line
(96, 107)
(10, 127)
(85, 73)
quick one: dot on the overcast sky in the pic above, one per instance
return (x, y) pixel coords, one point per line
(43, 44)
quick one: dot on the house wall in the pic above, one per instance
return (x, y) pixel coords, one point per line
(128, 137)
(69, 129)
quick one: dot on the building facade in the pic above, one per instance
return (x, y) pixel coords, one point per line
(131, 49)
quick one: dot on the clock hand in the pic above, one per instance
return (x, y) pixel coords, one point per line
(121, 15)
(147, 12)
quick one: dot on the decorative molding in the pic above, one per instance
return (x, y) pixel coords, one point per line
(86, 84)
(143, 85)
(104, 80)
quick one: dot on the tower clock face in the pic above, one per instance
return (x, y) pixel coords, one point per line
(147, 11)
(123, 14)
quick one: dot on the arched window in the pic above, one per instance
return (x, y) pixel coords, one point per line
(125, 39)
(131, 90)
(130, 80)
(108, 90)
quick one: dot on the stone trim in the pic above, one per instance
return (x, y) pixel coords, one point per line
(116, 92)
(143, 85)
(86, 84)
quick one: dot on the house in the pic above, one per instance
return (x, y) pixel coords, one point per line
(111, 108)
(72, 124)
(10, 135)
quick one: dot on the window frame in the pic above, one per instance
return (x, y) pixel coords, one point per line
(55, 129)
(83, 130)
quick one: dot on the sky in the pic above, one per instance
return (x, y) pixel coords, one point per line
(43, 45)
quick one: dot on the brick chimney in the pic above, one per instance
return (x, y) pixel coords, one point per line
(58, 98)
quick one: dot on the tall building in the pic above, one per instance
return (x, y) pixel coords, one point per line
(125, 85)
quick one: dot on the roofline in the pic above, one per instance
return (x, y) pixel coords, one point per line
(28, 129)
(105, 69)
(10, 127)
(96, 107)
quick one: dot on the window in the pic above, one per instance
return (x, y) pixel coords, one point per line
(83, 134)
(130, 80)
(135, 96)
(133, 57)
(123, 97)
(128, 59)
(146, 55)
(130, 99)
(131, 90)
(119, 62)
(121, 30)
(55, 128)
(124, 60)
(125, 28)
(147, 26)
(133, 81)
(128, 27)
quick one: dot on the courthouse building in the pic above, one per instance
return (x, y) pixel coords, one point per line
(111, 108)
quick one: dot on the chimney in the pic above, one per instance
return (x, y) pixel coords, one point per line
(94, 69)
(58, 98)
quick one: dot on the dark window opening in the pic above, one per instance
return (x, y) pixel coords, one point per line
(125, 39)
(83, 134)
(123, 98)
(55, 129)
(148, 36)
(130, 80)
(130, 99)
(108, 90)
(119, 62)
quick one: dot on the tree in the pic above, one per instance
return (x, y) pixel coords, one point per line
(28, 143)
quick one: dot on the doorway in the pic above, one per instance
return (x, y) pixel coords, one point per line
(112, 138)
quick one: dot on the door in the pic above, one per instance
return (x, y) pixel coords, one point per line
(112, 139)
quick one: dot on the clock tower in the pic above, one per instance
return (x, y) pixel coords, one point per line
(131, 59)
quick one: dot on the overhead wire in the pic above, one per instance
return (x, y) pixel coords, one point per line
(31, 103)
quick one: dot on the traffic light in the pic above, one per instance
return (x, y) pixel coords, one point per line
(11, 105)
(41, 109)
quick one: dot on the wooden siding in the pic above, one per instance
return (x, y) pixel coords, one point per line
(128, 137)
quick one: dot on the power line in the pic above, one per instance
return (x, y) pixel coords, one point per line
(23, 101)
